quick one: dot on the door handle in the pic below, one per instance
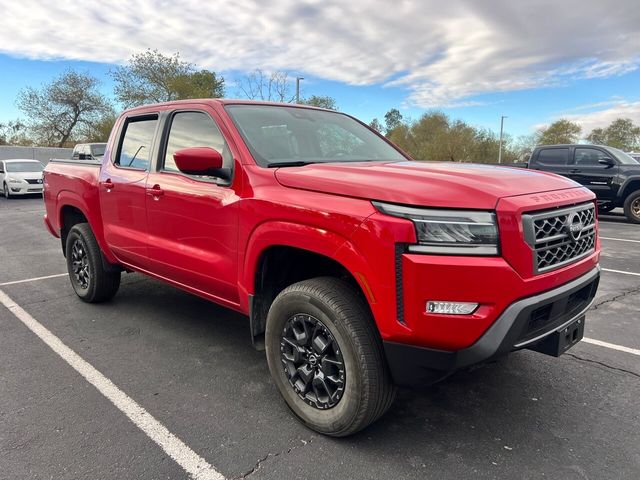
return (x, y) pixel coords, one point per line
(575, 170)
(108, 184)
(156, 192)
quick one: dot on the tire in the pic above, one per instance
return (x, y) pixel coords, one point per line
(91, 282)
(6, 192)
(632, 207)
(341, 317)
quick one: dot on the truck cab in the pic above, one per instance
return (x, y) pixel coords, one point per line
(611, 174)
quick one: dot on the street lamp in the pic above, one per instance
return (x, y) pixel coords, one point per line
(501, 130)
(298, 88)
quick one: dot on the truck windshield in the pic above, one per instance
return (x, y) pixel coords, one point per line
(283, 136)
(621, 156)
(23, 167)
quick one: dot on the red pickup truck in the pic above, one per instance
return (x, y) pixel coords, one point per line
(359, 269)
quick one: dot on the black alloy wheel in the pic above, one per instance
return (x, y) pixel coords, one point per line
(312, 361)
(80, 264)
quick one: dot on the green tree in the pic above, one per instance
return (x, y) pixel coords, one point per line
(560, 131)
(392, 119)
(58, 110)
(376, 125)
(322, 101)
(100, 130)
(14, 132)
(152, 77)
(622, 133)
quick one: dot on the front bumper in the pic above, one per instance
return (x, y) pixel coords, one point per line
(25, 189)
(523, 324)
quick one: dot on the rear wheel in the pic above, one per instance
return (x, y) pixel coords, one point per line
(91, 282)
(632, 207)
(326, 357)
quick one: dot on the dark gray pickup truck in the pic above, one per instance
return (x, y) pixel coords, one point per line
(611, 174)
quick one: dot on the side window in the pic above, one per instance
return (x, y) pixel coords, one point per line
(553, 156)
(1, 167)
(194, 129)
(135, 147)
(589, 156)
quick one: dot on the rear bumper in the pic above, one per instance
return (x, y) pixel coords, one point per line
(523, 324)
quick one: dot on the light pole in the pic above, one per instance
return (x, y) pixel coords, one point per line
(501, 130)
(298, 88)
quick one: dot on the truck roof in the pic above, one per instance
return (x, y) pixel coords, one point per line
(222, 101)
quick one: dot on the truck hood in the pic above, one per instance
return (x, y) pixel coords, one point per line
(436, 184)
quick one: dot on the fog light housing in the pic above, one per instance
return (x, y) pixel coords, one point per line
(451, 308)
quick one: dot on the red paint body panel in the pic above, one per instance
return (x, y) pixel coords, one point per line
(208, 238)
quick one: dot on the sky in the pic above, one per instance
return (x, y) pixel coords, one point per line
(533, 61)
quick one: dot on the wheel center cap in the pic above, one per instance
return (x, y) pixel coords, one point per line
(313, 360)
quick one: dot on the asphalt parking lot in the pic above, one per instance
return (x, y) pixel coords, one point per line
(189, 364)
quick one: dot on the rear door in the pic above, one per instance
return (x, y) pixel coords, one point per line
(554, 160)
(193, 220)
(122, 185)
(588, 171)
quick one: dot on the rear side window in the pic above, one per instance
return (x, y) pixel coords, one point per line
(135, 147)
(589, 156)
(194, 129)
(553, 156)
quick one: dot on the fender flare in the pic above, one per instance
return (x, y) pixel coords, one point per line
(305, 237)
(67, 198)
(625, 188)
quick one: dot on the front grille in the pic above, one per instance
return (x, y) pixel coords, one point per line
(560, 236)
(33, 181)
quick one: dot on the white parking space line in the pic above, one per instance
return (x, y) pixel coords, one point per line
(33, 279)
(612, 346)
(621, 271)
(195, 466)
(620, 239)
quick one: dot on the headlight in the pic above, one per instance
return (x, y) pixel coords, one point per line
(14, 180)
(449, 232)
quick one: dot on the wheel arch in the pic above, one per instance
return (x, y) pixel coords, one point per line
(281, 253)
(631, 185)
(72, 209)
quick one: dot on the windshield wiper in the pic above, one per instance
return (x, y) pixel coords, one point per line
(297, 163)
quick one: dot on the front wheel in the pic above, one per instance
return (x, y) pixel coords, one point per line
(632, 207)
(326, 357)
(6, 192)
(91, 282)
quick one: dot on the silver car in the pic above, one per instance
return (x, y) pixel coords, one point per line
(20, 177)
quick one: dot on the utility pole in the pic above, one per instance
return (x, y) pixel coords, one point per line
(298, 88)
(501, 130)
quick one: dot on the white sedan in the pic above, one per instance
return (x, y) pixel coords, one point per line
(20, 177)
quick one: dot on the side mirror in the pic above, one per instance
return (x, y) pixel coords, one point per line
(606, 161)
(200, 161)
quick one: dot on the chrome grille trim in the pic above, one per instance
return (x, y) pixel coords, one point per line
(546, 232)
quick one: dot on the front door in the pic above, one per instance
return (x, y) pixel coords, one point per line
(594, 175)
(122, 186)
(193, 220)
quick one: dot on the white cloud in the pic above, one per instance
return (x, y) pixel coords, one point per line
(442, 52)
(602, 118)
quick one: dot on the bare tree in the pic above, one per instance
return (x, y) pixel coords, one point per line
(59, 109)
(269, 87)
